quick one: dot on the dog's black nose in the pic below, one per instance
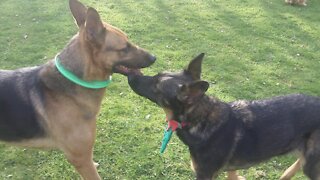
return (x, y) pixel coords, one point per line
(153, 58)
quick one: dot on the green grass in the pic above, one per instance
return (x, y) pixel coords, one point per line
(254, 49)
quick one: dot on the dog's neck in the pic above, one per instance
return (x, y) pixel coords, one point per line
(77, 56)
(204, 117)
(74, 58)
(206, 109)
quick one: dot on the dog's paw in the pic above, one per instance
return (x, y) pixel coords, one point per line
(96, 164)
(233, 175)
(192, 167)
(241, 178)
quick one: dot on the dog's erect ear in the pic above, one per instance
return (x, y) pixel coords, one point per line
(194, 67)
(94, 27)
(79, 11)
(189, 93)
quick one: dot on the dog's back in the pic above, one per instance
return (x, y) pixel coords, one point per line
(275, 126)
(18, 116)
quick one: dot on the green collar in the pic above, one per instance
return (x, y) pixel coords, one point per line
(72, 77)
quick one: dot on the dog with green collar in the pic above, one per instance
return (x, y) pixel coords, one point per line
(55, 105)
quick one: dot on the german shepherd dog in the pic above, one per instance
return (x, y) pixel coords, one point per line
(235, 135)
(39, 107)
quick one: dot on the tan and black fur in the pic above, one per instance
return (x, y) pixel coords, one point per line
(41, 108)
(235, 135)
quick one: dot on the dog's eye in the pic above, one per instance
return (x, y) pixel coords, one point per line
(128, 47)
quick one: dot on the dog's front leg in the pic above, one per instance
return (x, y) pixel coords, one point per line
(77, 144)
(84, 165)
(83, 162)
(87, 170)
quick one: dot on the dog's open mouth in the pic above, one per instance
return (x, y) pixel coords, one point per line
(126, 70)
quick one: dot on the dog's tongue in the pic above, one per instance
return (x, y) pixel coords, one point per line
(128, 71)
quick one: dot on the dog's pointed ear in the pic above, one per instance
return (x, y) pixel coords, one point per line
(194, 67)
(79, 12)
(189, 93)
(94, 27)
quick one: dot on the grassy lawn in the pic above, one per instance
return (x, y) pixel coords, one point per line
(254, 49)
